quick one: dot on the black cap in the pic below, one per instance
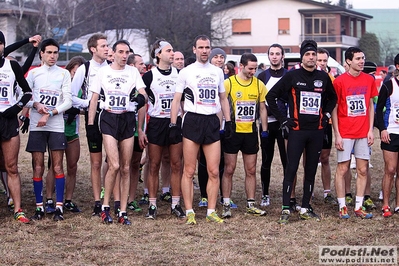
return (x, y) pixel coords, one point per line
(369, 67)
(308, 45)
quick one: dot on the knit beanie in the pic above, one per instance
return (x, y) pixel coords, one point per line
(2, 39)
(217, 51)
(308, 45)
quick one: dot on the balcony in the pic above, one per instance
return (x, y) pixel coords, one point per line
(335, 40)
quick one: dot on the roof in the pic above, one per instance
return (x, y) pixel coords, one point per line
(327, 8)
(8, 9)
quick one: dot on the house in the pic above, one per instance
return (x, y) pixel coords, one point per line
(252, 25)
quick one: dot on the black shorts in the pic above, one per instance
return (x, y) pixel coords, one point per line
(38, 141)
(202, 129)
(119, 126)
(327, 139)
(158, 130)
(247, 143)
(393, 146)
(94, 147)
(136, 146)
(9, 127)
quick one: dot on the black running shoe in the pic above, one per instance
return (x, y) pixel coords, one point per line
(152, 212)
(123, 219)
(178, 211)
(39, 214)
(58, 215)
(97, 210)
(72, 207)
(105, 216)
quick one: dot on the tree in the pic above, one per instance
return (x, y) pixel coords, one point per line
(389, 48)
(342, 3)
(371, 47)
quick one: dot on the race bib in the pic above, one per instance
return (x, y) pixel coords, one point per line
(310, 103)
(207, 94)
(116, 102)
(50, 98)
(245, 111)
(356, 105)
(166, 102)
(395, 109)
(5, 92)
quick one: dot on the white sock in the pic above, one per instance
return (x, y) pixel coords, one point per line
(188, 211)
(146, 191)
(165, 190)
(359, 202)
(226, 201)
(341, 202)
(175, 201)
(104, 206)
(209, 211)
(153, 201)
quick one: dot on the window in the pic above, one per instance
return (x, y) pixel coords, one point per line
(241, 26)
(283, 26)
(241, 51)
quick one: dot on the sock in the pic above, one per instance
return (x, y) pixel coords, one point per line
(250, 202)
(188, 211)
(165, 190)
(359, 202)
(121, 213)
(341, 202)
(67, 201)
(175, 201)
(153, 201)
(59, 206)
(10, 201)
(303, 210)
(59, 188)
(38, 188)
(226, 201)
(117, 204)
(40, 205)
(104, 206)
(146, 191)
(97, 202)
(326, 192)
(209, 211)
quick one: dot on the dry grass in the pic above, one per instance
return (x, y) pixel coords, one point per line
(243, 240)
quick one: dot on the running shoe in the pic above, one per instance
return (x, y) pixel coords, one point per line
(167, 197)
(96, 210)
(343, 213)
(203, 202)
(178, 212)
(232, 204)
(348, 199)
(133, 206)
(191, 219)
(72, 207)
(152, 212)
(226, 211)
(106, 216)
(309, 215)
(213, 217)
(285, 216)
(49, 206)
(362, 213)
(396, 210)
(294, 207)
(144, 200)
(123, 219)
(369, 204)
(251, 209)
(10, 204)
(102, 192)
(58, 215)
(39, 214)
(329, 199)
(386, 211)
(117, 209)
(21, 217)
(265, 201)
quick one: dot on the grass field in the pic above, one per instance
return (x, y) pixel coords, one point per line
(243, 240)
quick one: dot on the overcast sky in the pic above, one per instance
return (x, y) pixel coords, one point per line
(385, 4)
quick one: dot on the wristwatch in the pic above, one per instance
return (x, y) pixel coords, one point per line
(22, 118)
(172, 125)
(20, 104)
(328, 115)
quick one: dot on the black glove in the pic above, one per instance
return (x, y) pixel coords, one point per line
(175, 134)
(139, 99)
(228, 129)
(288, 124)
(12, 111)
(93, 134)
(25, 126)
(264, 139)
(72, 113)
(324, 121)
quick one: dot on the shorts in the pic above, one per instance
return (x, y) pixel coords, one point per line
(136, 147)
(9, 127)
(327, 139)
(119, 126)
(247, 143)
(94, 147)
(158, 130)
(38, 141)
(202, 129)
(393, 146)
(361, 150)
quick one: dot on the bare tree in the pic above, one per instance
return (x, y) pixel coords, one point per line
(389, 48)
